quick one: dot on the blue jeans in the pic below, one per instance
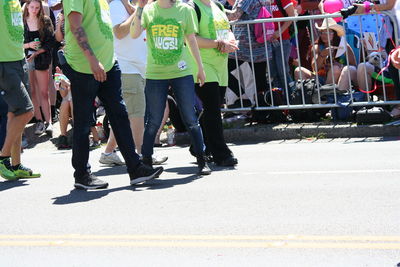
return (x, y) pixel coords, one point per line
(84, 89)
(156, 96)
(278, 68)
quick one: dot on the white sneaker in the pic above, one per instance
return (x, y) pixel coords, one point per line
(159, 160)
(110, 159)
(39, 128)
(49, 129)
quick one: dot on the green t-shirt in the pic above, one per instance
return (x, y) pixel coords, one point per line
(213, 25)
(97, 24)
(12, 31)
(167, 55)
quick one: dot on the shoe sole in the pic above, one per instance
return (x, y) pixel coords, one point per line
(159, 162)
(28, 177)
(9, 178)
(147, 178)
(112, 163)
(86, 187)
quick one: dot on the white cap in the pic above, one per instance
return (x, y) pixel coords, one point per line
(53, 2)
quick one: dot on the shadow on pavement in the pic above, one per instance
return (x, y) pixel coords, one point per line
(111, 170)
(76, 196)
(168, 183)
(12, 184)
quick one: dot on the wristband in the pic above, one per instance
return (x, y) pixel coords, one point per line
(367, 7)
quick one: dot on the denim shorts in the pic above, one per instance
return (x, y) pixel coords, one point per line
(13, 86)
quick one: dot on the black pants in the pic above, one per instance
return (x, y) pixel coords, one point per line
(211, 121)
(260, 70)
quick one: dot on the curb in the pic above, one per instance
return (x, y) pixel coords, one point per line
(300, 131)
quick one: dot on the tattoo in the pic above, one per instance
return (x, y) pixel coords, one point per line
(82, 40)
(234, 14)
(139, 12)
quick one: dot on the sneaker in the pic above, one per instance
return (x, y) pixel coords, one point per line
(39, 128)
(159, 160)
(110, 159)
(204, 169)
(63, 142)
(227, 162)
(94, 145)
(21, 171)
(144, 173)
(49, 129)
(24, 142)
(89, 181)
(6, 170)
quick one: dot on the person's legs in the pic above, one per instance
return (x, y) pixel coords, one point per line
(84, 89)
(303, 73)
(283, 68)
(183, 88)
(64, 116)
(211, 121)
(111, 96)
(164, 120)
(233, 83)
(156, 96)
(42, 78)
(344, 83)
(15, 94)
(133, 94)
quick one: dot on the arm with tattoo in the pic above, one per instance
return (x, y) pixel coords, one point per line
(234, 14)
(136, 25)
(75, 21)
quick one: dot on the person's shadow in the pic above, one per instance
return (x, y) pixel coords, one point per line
(76, 196)
(12, 184)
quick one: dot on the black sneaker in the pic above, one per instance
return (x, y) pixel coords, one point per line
(204, 169)
(144, 173)
(63, 142)
(90, 181)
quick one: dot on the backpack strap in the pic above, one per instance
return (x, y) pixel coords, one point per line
(196, 8)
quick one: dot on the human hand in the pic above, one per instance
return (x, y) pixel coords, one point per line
(31, 57)
(34, 45)
(229, 47)
(395, 58)
(201, 76)
(98, 70)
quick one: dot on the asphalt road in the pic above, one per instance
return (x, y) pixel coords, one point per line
(288, 203)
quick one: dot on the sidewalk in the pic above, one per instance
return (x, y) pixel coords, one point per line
(267, 132)
(258, 133)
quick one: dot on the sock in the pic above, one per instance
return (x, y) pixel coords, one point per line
(107, 154)
(15, 167)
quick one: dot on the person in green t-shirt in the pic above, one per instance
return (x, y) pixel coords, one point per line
(13, 81)
(169, 24)
(93, 71)
(215, 41)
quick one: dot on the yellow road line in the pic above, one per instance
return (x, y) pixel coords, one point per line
(203, 244)
(204, 237)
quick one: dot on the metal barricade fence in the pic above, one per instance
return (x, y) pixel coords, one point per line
(370, 101)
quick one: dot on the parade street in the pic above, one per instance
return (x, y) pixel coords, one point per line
(287, 203)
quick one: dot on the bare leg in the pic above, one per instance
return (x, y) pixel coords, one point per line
(344, 83)
(35, 95)
(42, 77)
(16, 151)
(364, 72)
(305, 73)
(64, 117)
(336, 73)
(111, 143)
(137, 126)
(15, 127)
(164, 120)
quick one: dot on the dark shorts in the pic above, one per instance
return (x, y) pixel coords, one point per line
(14, 86)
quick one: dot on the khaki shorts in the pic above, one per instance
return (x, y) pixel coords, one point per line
(133, 94)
